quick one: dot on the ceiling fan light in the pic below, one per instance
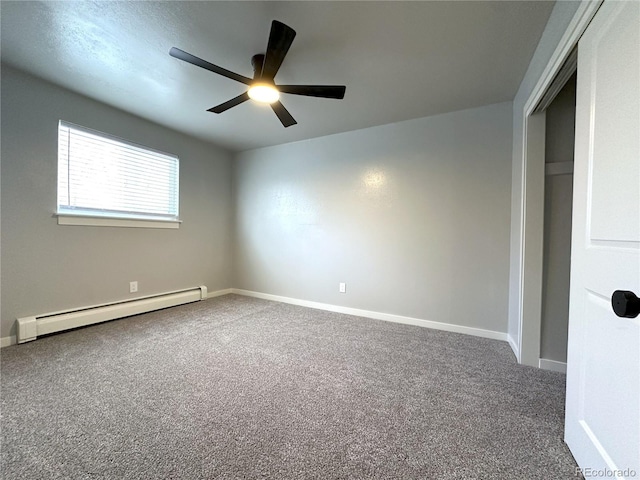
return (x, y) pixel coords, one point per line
(264, 93)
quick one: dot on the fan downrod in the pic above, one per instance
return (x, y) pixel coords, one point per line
(257, 62)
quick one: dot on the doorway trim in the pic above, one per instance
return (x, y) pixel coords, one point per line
(532, 187)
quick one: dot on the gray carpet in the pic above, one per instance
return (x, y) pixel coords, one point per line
(236, 387)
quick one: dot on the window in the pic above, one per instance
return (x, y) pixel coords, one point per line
(103, 180)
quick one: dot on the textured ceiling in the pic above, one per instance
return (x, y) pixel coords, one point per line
(399, 60)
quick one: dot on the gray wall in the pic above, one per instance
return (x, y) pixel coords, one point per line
(556, 26)
(48, 267)
(413, 216)
(560, 140)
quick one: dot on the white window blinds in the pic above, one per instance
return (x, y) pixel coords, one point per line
(99, 175)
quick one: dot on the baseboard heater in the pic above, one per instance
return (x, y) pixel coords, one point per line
(29, 328)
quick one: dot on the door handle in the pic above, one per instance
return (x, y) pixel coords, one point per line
(625, 304)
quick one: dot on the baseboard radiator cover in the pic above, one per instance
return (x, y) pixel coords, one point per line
(30, 328)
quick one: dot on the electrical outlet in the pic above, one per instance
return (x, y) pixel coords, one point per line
(343, 287)
(133, 287)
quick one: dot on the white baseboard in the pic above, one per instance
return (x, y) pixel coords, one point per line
(552, 365)
(514, 347)
(448, 327)
(219, 293)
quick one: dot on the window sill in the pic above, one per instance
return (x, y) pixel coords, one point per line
(98, 221)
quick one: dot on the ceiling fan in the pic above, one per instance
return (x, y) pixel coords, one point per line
(262, 87)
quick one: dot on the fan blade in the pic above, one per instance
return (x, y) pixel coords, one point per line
(223, 107)
(192, 59)
(280, 40)
(324, 91)
(283, 114)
